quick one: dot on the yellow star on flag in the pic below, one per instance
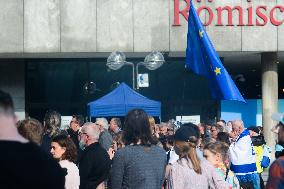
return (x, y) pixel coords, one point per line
(201, 33)
(217, 71)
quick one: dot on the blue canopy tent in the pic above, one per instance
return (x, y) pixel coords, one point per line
(122, 99)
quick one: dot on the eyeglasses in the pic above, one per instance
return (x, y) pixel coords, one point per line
(80, 134)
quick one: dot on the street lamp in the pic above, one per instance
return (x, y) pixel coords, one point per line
(152, 61)
(116, 60)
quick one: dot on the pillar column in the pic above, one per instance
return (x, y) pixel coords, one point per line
(269, 80)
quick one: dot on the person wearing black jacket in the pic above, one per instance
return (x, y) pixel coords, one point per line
(94, 164)
(73, 132)
(23, 163)
(75, 124)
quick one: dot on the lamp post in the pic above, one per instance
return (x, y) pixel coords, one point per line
(116, 60)
(152, 61)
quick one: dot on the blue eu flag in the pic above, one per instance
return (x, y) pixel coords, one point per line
(202, 59)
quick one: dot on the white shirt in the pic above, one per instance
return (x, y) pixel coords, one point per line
(173, 157)
(72, 179)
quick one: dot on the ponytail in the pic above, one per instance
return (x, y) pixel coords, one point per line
(192, 155)
(187, 150)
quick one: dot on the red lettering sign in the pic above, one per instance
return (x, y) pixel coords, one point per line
(249, 16)
(209, 11)
(261, 15)
(183, 12)
(230, 15)
(272, 19)
(260, 12)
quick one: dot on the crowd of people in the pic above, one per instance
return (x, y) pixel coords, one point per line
(138, 154)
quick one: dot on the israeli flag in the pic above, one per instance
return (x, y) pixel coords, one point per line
(242, 155)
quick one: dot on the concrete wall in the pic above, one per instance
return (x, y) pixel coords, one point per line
(12, 80)
(47, 26)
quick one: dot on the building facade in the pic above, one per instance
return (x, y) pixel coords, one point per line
(46, 45)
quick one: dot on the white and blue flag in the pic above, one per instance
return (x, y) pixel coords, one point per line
(242, 155)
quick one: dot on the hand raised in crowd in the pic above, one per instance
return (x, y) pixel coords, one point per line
(111, 153)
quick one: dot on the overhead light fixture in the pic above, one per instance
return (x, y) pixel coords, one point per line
(116, 60)
(154, 60)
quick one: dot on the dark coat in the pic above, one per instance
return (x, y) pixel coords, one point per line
(94, 166)
(74, 136)
(25, 165)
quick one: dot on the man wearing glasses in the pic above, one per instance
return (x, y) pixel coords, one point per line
(75, 124)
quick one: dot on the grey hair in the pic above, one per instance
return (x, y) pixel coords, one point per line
(88, 123)
(52, 123)
(163, 124)
(104, 122)
(238, 123)
(91, 130)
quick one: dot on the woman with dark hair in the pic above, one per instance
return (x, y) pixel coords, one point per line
(140, 164)
(224, 137)
(64, 150)
(118, 141)
(189, 171)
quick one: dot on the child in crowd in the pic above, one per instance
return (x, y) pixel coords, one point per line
(216, 154)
